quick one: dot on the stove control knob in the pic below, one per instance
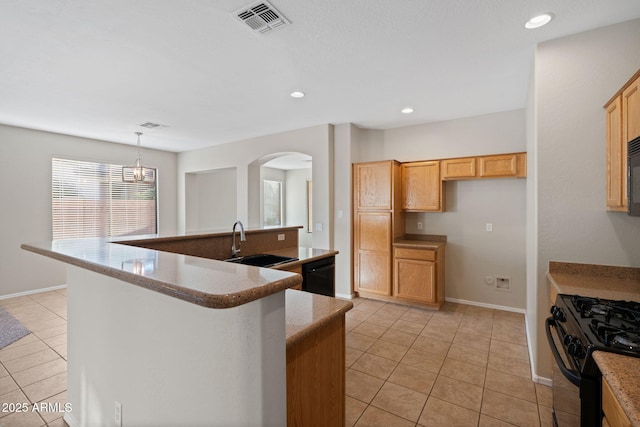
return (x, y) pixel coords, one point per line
(558, 314)
(568, 340)
(575, 348)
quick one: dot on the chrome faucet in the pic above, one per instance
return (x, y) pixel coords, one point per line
(235, 251)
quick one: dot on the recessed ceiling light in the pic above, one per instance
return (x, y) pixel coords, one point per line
(539, 21)
(407, 110)
(297, 94)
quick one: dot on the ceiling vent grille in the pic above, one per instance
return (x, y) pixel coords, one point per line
(261, 17)
(152, 125)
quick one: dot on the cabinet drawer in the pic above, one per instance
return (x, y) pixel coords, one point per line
(420, 254)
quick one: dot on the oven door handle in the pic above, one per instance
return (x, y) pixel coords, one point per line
(571, 375)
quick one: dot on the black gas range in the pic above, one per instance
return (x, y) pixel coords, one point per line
(578, 326)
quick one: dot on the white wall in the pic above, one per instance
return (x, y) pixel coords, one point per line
(315, 141)
(210, 200)
(25, 176)
(574, 77)
(473, 253)
(296, 203)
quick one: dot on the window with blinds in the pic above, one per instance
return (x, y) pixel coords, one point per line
(90, 200)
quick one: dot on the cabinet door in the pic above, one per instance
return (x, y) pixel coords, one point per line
(630, 128)
(615, 186)
(499, 166)
(415, 280)
(458, 168)
(422, 187)
(372, 252)
(373, 186)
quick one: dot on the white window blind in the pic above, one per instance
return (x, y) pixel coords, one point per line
(90, 200)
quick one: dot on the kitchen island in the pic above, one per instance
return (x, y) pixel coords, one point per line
(171, 339)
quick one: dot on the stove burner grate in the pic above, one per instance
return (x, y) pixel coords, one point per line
(616, 336)
(593, 307)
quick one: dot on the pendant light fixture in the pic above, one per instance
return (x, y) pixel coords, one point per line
(137, 172)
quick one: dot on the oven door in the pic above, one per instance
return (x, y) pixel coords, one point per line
(566, 380)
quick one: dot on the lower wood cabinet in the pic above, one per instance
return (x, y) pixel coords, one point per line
(419, 275)
(372, 257)
(614, 415)
(316, 378)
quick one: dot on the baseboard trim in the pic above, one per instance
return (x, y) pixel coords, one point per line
(35, 291)
(485, 305)
(345, 296)
(542, 380)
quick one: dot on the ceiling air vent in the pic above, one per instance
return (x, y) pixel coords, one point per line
(261, 17)
(151, 125)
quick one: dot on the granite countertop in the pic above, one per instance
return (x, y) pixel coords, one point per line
(598, 281)
(304, 255)
(623, 375)
(420, 241)
(306, 312)
(606, 282)
(205, 282)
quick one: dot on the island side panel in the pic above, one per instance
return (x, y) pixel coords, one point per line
(170, 362)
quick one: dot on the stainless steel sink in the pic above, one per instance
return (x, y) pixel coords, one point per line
(262, 260)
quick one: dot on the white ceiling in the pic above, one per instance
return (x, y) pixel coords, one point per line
(100, 68)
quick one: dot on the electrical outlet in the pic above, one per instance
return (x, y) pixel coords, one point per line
(280, 236)
(489, 226)
(118, 414)
(419, 225)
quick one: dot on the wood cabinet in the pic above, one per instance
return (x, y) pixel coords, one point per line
(374, 185)
(461, 168)
(614, 415)
(512, 165)
(422, 188)
(419, 275)
(504, 165)
(616, 179)
(316, 377)
(377, 220)
(622, 125)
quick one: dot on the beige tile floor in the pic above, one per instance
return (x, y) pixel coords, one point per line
(34, 368)
(460, 366)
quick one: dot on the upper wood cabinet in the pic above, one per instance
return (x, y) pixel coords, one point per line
(622, 125)
(374, 185)
(504, 165)
(616, 179)
(458, 168)
(512, 165)
(422, 188)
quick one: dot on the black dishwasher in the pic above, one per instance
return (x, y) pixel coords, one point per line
(319, 276)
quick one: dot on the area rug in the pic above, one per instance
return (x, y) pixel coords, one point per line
(10, 329)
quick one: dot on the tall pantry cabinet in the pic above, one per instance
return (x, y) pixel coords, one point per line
(377, 220)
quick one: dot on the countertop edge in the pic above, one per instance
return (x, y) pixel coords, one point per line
(611, 365)
(203, 299)
(299, 335)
